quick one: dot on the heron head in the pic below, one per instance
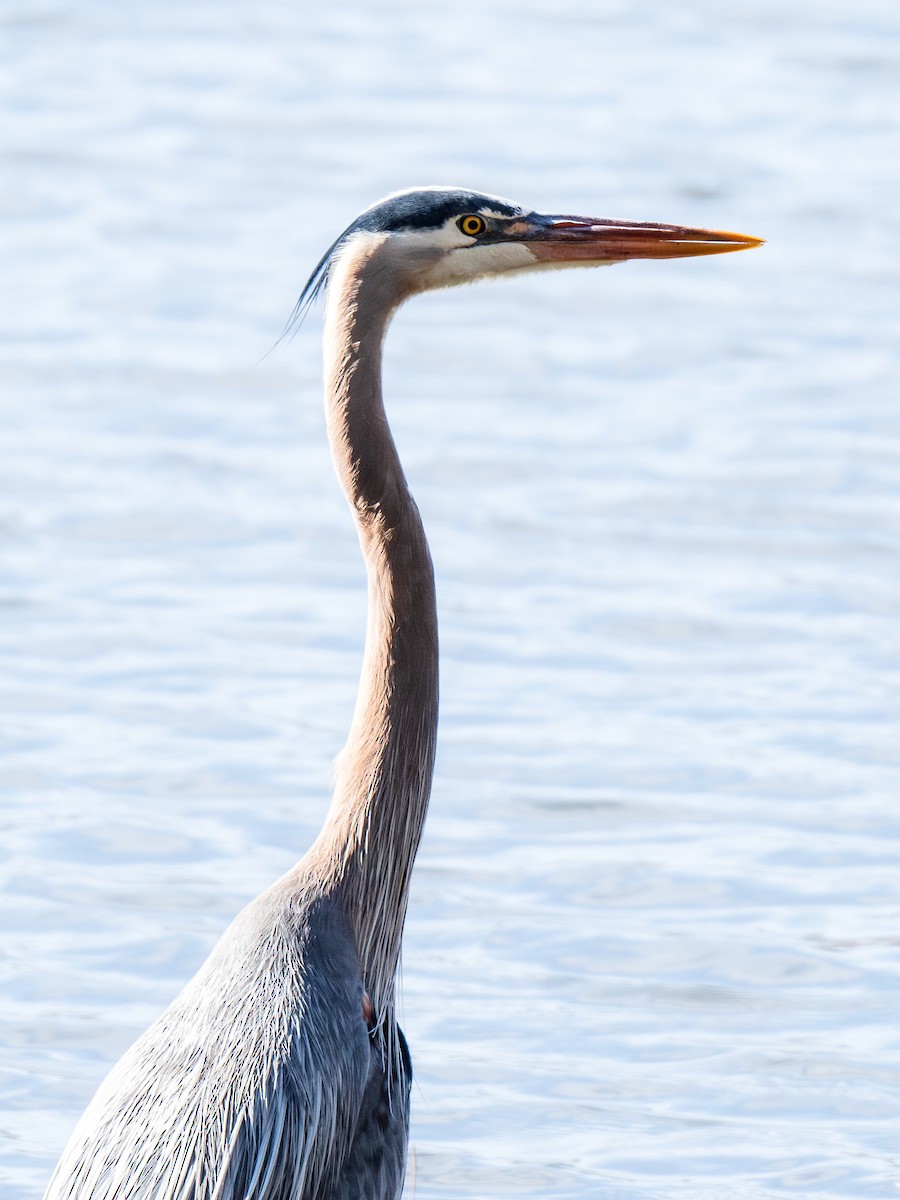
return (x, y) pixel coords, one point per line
(433, 237)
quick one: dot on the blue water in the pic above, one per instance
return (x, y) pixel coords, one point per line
(653, 942)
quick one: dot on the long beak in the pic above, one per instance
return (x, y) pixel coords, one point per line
(583, 239)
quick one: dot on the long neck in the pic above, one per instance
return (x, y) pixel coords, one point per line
(383, 777)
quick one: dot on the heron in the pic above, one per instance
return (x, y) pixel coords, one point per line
(280, 1072)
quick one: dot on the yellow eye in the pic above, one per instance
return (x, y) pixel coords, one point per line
(471, 225)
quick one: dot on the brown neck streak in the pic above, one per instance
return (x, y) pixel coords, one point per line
(365, 853)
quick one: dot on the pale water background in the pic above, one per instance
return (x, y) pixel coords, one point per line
(654, 936)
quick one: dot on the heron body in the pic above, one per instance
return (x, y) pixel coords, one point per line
(280, 1072)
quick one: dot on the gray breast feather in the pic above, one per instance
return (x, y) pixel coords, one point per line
(376, 1164)
(254, 1083)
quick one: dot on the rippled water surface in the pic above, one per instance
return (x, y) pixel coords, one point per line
(653, 942)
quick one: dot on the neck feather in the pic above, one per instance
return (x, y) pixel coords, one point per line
(365, 853)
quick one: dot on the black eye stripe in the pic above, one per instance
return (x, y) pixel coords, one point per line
(416, 209)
